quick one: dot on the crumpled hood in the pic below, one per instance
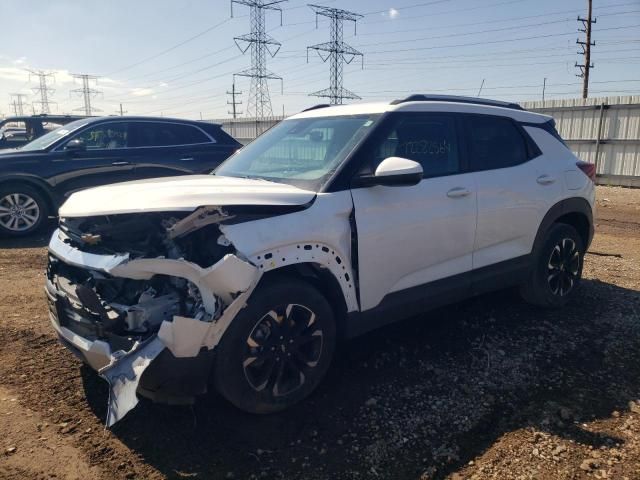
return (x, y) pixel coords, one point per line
(184, 193)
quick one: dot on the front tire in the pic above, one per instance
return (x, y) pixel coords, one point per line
(277, 349)
(23, 210)
(557, 270)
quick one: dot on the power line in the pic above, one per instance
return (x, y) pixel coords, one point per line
(586, 49)
(337, 52)
(260, 43)
(42, 89)
(167, 50)
(483, 6)
(87, 92)
(415, 5)
(531, 37)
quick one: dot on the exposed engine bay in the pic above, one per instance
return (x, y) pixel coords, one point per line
(124, 287)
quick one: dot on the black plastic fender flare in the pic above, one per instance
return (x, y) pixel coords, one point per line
(563, 207)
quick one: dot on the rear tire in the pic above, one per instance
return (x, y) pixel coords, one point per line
(557, 268)
(23, 210)
(277, 349)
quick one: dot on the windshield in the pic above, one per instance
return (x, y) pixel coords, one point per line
(303, 152)
(47, 139)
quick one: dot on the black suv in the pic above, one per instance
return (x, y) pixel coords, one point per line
(36, 178)
(17, 131)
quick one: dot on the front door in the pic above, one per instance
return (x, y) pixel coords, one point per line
(103, 159)
(410, 236)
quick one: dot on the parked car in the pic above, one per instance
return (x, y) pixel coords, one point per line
(336, 221)
(20, 130)
(36, 178)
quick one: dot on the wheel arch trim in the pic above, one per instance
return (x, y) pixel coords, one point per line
(31, 181)
(312, 253)
(573, 205)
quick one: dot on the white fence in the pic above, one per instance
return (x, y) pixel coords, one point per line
(604, 131)
(246, 129)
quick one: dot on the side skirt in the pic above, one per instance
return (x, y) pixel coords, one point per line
(413, 301)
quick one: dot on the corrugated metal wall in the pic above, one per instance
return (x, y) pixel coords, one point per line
(604, 131)
(246, 129)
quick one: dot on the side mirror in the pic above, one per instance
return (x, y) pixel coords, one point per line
(75, 145)
(393, 171)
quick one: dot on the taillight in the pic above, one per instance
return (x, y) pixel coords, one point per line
(589, 169)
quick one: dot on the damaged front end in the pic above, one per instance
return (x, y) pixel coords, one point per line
(145, 298)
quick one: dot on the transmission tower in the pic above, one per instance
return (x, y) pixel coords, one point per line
(261, 44)
(42, 89)
(86, 92)
(336, 51)
(234, 103)
(17, 103)
(586, 49)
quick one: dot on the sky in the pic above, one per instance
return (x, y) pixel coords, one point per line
(177, 58)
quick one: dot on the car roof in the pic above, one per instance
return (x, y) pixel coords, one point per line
(429, 103)
(43, 117)
(111, 118)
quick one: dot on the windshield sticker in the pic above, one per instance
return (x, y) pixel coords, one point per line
(368, 123)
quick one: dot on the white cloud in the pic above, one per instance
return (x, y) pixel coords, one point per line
(393, 13)
(141, 92)
(14, 74)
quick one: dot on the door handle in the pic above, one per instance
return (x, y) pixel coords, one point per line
(545, 180)
(120, 164)
(458, 192)
(186, 159)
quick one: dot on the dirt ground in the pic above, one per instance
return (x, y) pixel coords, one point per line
(489, 388)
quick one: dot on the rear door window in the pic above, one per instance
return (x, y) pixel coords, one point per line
(166, 134)
(494, 142)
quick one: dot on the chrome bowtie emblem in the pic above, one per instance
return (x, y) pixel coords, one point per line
(90, 238)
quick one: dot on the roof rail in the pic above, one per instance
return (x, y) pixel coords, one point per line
(315, 107)
(458, 99)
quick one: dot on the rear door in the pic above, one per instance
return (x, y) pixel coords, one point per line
(105, 159)
(515, 188)
(411, 236)
(165, 148)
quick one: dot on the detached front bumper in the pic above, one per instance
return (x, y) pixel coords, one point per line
(170, 364)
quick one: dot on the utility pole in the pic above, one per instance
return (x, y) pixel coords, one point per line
(87, 93)
(261, 44)
(233, 101)
(481, 87)
(337, 52)
(42, 89)
(121, 111)
(586, 49)
(544, 87)
(17, 103)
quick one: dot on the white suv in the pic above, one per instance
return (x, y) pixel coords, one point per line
(336, 221)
